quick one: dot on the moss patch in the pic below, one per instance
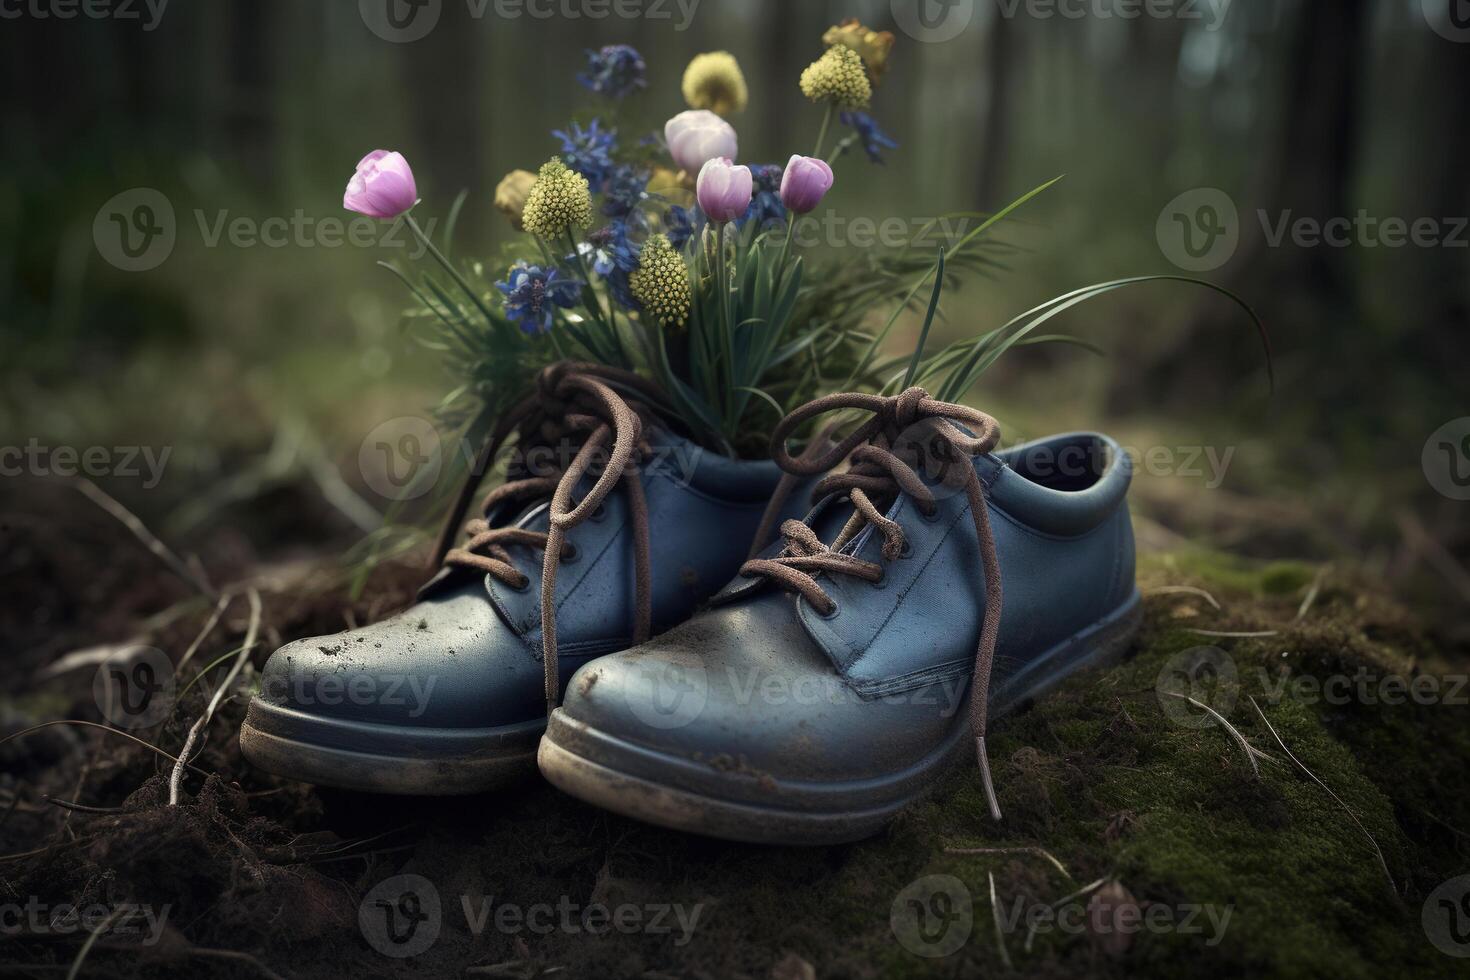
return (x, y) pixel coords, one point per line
(1233, 872)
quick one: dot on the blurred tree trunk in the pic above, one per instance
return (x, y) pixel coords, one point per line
(251, 111)
(1305, 171)
(442, 72)
(995, 141)
(1435, 304)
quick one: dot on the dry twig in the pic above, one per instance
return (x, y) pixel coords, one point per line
(177, 778)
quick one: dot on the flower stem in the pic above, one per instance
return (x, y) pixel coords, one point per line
(785, 247)
(722, 283)
(589, 300)
(449, 268)
(822, 133)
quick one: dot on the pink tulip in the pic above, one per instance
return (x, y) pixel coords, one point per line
(723, 189)
(699, 135)
(383, 186)
(804, 183)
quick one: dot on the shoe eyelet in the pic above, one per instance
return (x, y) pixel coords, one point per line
(881, 580)
(932, 518)
(830, 613)
(600, 514)
(907, 551)
(570, 553)
(525, 585)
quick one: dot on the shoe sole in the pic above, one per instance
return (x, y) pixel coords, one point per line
(812, 818)
(391, 759)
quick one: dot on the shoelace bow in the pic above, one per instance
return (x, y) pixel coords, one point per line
(571, 400)
(914, 424)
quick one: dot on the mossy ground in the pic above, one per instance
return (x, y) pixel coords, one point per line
(1100, 774)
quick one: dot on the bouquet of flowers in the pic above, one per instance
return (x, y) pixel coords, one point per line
(663, 256)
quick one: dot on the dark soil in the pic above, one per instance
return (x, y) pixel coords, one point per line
(253, 876)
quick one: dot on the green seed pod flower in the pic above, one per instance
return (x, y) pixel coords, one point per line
(838, 77)
(661, 282)
(559, 200)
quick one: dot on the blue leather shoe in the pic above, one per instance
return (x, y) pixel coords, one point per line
(936, 584)
(572, 560)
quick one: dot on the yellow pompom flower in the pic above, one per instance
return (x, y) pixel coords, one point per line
(511, 194)
(560, 199)
(838, 77)
(714, 81)
(872, 46)
(661, 282)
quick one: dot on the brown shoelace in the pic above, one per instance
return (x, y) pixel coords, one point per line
(911, 424)
(575, 401)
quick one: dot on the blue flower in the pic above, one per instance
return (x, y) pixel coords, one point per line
(609, 249)
(766, 209)
(627, 187)
(682, 224)
(613, 258)
(588, 151)
(875, 141)
(615, 71)
(531, 292)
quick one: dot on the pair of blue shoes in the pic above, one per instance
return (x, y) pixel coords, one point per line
(607, 620)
